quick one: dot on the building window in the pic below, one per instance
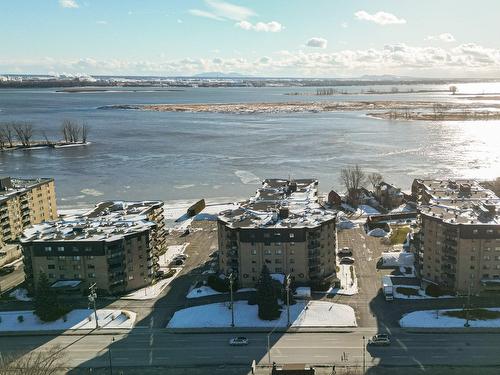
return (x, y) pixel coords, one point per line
(278, 270)
(60, 248)
(278, 252)
(292, 260)
(48, 249)
(91, 275)
(292, 251)
(88, 249)
(278, 261)
(254, 252)
(486, 257)
(51, 266)
(90, 266)
(51, 275)
(131, 277)
(61, 276)
(474, 231)
(253, 269)
(76, 258)
(90, 257)
(267, 252)
(486, 275)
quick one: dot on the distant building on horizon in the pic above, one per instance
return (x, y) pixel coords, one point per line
(115, 245)
(283, 227)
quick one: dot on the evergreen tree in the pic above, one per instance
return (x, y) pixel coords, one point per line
(47, 307)
(267, 298)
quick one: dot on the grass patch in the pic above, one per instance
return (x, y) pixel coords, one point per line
(474, 314)
(407, 291)
(398, 235)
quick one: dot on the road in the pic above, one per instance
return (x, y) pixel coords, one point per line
(157, 348)
(13, 279)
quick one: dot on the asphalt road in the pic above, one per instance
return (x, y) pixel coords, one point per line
(13, 279)
(157, 348)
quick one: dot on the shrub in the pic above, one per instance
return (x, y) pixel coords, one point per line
(20, 318)
(434, 290)
(252, 300)
(221, 285)
(320, 286)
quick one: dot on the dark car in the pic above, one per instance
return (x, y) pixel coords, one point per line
(380, 339)
(6, 270)
(345, 252)
(347, 260)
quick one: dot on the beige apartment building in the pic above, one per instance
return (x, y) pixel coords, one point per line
(283, 227)
(115, 245)
(24, 202)
(459, 235)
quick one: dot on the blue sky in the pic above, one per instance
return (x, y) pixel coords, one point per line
(322, 38)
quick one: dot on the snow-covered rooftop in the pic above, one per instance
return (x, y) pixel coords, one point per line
(10, 186)
(108, 221)
(280, 203)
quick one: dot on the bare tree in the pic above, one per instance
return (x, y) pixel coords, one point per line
(374, 179)
(453, 89)
(7, 133)
(24, 133)
(73, 132)
(353, 179)
(37, 362)
(85, 132)
(48, 142)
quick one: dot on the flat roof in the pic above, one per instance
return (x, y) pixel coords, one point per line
(280, 203)
(108, 221)
(19, 185)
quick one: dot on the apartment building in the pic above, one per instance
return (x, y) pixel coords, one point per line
(283, 227)
(459, 238)
(115, 245)
(24, 202)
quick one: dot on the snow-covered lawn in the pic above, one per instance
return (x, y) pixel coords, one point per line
(433, 319)
(348, 285)
(172, 251)
(312, 314)
(76, 319)
(152, 291)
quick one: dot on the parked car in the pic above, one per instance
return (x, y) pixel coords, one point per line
(178, 262)
(345, 252)
(380, 339)
(6, 270)
(238, 341)
(180, 256)
(346, 260)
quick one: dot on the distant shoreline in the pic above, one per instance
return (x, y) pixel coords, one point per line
(41, 145)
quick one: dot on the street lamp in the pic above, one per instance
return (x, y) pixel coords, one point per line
(468, 307)
(231, 281)
(364, 356)
(287, 289)
(109, 357)
(92, 299)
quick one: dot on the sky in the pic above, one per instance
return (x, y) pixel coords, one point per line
(274, 38)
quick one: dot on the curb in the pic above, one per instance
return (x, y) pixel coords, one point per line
(451, 330)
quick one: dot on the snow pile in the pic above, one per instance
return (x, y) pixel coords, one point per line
(76, 319)
(402, 209)
(364, 209)
(377, 232)
(21, 295)
(312, 314)
(278, 277)
(398, 259)
(436, 319)
(202, 291)
(302, 292)
(348, 285)
(421, 293)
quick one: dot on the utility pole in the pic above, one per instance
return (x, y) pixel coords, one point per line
(468, 307)
(231, 281)
(92, 299)
(364, 356)
(287, 289)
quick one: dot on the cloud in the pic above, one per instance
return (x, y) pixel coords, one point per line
(445, 37)
(102, 22)
(68, 4)
(380, 18)
(464, 60)
(272, 27)
(317, 43)
(230, 11)
(203, 13)
(179, 20)
(344, 25)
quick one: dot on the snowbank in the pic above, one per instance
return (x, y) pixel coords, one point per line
(21, 295)
(151, 291)
(433, 319)
(172, 251)
(278, 277)
(348, 285)
(402, 209)
(312, 314)
(202, 291)
(398, 259)
(302, 292)
(76, 319)
(421, 293)
(377, 232)
(364, 209)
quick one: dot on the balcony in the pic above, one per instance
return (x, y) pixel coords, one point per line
(313, 253)
(449, 259)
